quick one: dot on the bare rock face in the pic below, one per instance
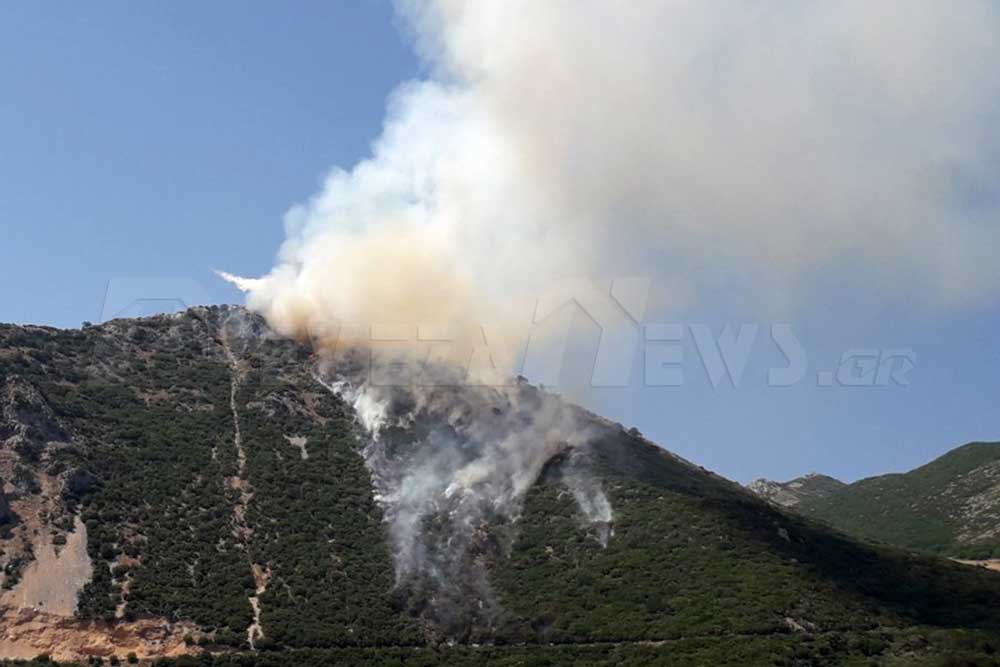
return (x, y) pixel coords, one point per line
(973, 499)
(27, 632)
(794, 492)
(44, 558)
(27, 423)
(53, 579)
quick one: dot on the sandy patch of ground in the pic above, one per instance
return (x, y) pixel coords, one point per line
(37, 615)
(993, 564)
(26, 633)
(51, 581)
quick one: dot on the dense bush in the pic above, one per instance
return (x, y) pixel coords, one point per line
(698, 571)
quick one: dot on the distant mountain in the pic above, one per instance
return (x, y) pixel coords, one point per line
(794, 492)
(194, 482)
(951, 506)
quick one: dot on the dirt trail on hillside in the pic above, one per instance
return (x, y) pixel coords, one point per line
(240, 483)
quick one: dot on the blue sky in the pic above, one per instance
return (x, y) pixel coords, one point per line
(165, 139)
(160, 141)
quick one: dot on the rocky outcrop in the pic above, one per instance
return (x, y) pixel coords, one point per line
(794, 492)
(27, 423)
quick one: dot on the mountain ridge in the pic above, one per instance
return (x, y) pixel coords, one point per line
(949, 506)
(796, 491)
(226, 506)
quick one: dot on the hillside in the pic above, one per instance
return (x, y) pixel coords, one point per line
(195, 481)
(797, 491)
(950, 506)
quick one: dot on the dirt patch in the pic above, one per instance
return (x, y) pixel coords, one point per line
(50, 582)
(37, 615)
(26, 633)
(299, 442)
(993, 564)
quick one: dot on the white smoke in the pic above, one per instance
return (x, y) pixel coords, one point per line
(772, 142)
(755, 146)
(451, 466)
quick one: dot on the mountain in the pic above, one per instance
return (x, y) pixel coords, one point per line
(950, 506)
(797, 491)
(190, 483)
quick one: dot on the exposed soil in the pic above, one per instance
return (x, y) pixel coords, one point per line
(51, 581)
(993, 564)
(300, 443)
(26, 633)
(37, 615)
(240, 483)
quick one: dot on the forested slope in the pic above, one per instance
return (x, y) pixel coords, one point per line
(221, 487)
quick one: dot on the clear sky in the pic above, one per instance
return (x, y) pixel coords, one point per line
(166, 139)
(158, 141)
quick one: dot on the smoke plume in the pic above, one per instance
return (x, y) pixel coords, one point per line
(762, 147)
(451, 465)
(776, 143)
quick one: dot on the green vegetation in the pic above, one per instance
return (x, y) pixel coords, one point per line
(885, 649)
(699, 572)
(694, 556)
(950, 506)
(157, 494)
(318, 529)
